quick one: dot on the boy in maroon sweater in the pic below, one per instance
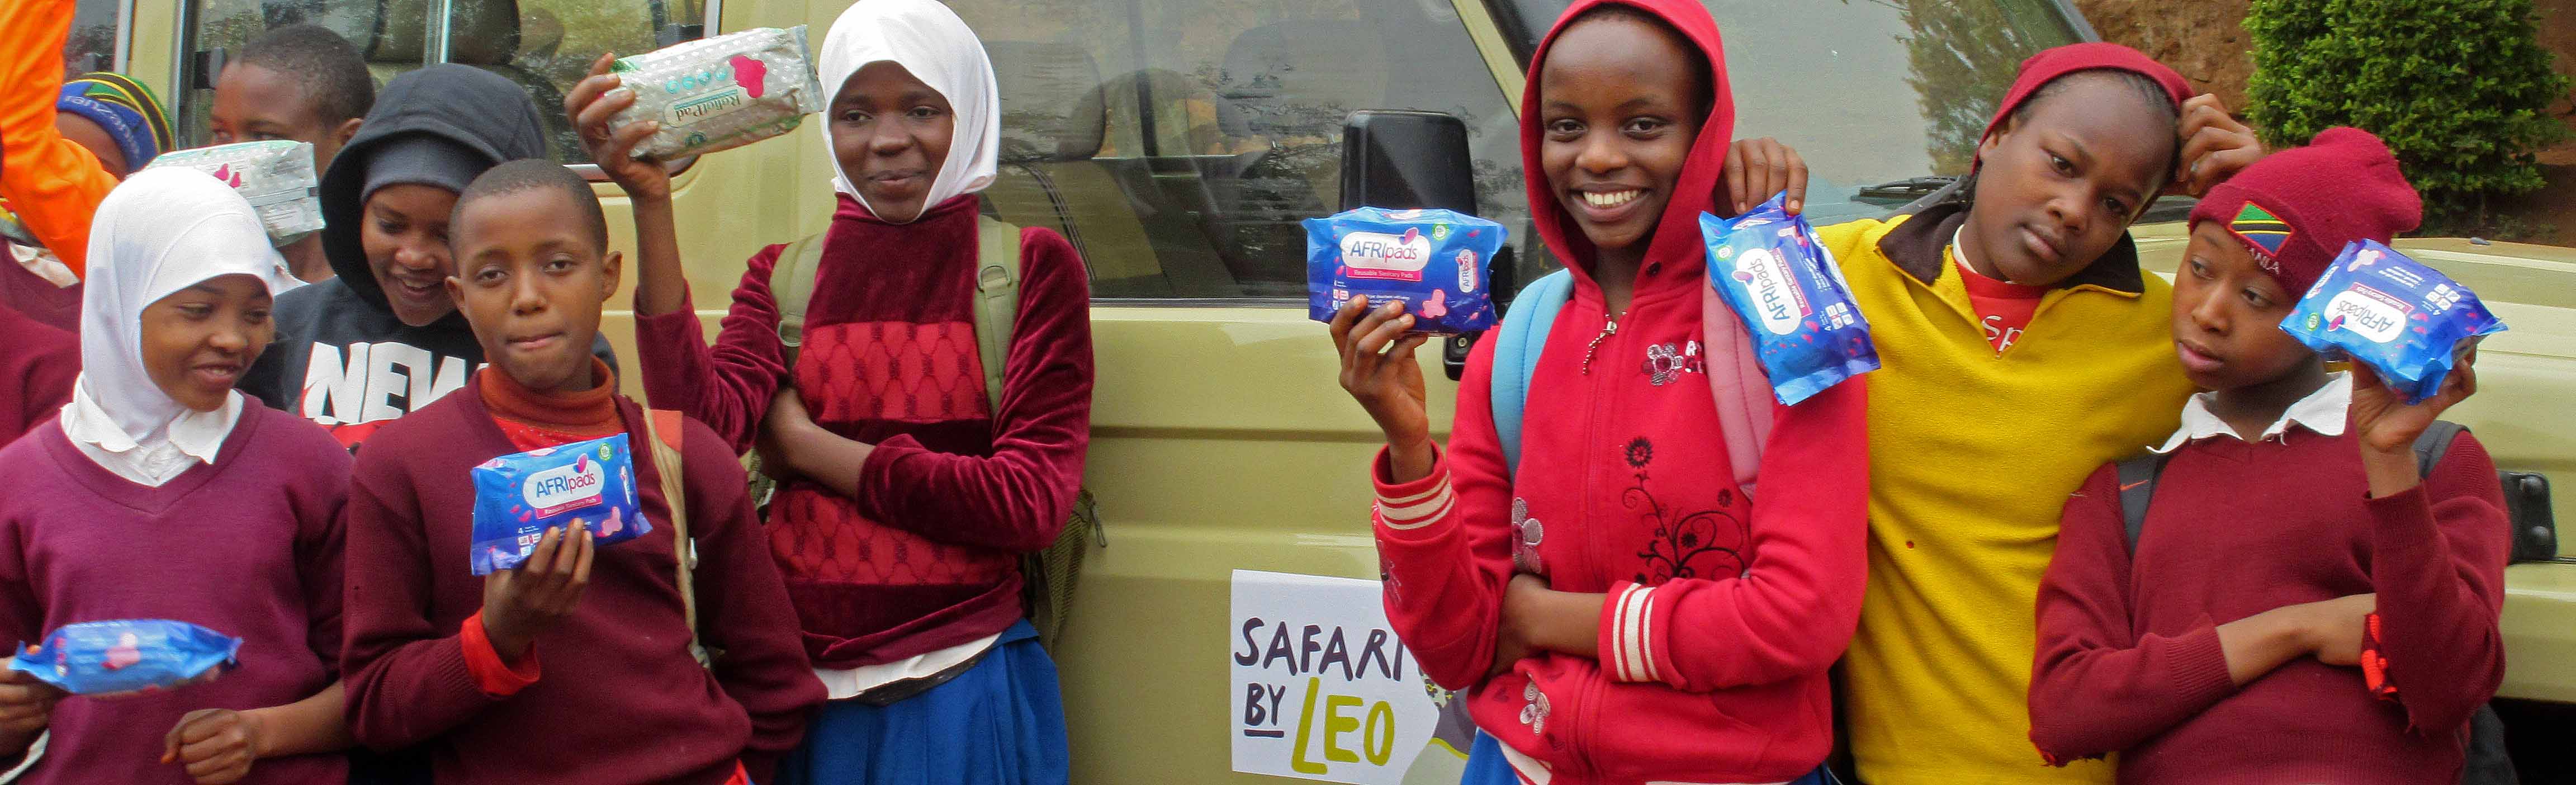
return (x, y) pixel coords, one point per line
(574, 667)
(2290, 531)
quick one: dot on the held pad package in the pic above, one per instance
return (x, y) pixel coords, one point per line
(518, 497)
(1770, 267)
(275, 176)
(102, 658)
(2406, 320)
(720, 93)
(1431, 260)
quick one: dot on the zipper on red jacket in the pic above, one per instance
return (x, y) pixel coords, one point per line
(1609, 327)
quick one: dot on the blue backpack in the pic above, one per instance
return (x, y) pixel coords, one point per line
(1517, 343)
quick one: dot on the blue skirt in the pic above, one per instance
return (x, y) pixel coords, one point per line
(1486, 766)
(999, 723)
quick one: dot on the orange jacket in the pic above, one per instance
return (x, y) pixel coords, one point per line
(52, 183)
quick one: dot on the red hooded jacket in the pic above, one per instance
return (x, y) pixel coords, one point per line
(1723, 613)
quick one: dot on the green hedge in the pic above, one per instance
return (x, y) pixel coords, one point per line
(2458, 88)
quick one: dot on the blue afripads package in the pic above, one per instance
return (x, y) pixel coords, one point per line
(1431, 260)
(517, 497)
(1770, 267)
(2376, 306)
(101, 658)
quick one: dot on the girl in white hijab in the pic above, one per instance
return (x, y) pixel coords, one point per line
(924, 39)
(906, 494)
(150, 407)
(164, 494)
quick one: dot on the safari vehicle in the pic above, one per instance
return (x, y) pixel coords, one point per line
(1176, 142)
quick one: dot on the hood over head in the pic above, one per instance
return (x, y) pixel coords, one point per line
(1676, 237)
(478, 120)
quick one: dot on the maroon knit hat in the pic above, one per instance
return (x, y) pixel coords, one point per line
(2058, 61)
(2297, 208)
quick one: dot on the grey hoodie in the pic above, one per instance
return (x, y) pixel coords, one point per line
(341, 358)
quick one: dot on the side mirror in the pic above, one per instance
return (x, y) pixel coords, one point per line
(207, 67)
(1414, 160)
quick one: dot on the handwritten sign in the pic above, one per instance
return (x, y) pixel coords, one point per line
(1323, 689)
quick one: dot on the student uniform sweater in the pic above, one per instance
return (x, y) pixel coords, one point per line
(249, 546)
(37, 366)
(617, 698)
(2129, 660)
(1972, 454)
(925, 557)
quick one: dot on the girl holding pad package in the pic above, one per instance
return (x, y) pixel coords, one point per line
(175, 497)
(1595, 601)
(901, 517)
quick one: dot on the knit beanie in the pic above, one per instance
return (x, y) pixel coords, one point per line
(422, 159)
(2297, 208)
(2053, 62)
(125, 109)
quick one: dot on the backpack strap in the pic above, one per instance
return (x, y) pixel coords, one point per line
(997, 301)
(2137, 478)
(799, 265)
(2434, 443)
(662, 428)
(1517, 343)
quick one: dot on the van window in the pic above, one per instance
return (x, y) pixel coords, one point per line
(92, 45)
(543, 45)
(1179, 142)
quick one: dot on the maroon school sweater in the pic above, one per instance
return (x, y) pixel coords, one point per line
(926, 555)
(248, 546)
(618, 699)
(2129, 660)
(37, 366)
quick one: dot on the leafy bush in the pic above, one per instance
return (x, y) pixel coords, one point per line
(2459, 89)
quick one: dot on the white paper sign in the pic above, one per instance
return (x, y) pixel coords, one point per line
(1323, 690)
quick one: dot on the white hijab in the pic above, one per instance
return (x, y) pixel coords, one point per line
(929, 41)
(162, 230)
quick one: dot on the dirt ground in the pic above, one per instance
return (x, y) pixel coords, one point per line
(2206, 41)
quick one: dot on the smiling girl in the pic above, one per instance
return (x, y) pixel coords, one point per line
(901, 515)
(170, 496)
(1598, 603)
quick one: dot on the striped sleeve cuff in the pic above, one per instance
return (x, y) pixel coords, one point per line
(1416, 504)
(1419, 509)
(1628, 634)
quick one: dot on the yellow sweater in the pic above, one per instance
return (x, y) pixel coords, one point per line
(1972, 456)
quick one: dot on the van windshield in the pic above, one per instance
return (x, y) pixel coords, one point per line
(1871, 92)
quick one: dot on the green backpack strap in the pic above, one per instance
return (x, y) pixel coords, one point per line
(997, 300)
(799, 265)
(1047, 576)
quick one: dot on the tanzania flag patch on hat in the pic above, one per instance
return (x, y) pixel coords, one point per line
(2260, 228)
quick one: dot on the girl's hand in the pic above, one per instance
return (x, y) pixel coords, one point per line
(2214, 146)
(2336, 626)
(1511, 641)
(781, 429)
(1378, 370)
(590, 103)
(2386, 426)
(26, 709)
(522, 602)
(217, 745)
(1756, 169)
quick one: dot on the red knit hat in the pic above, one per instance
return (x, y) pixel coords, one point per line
(2297, 208)
(2055, 62)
